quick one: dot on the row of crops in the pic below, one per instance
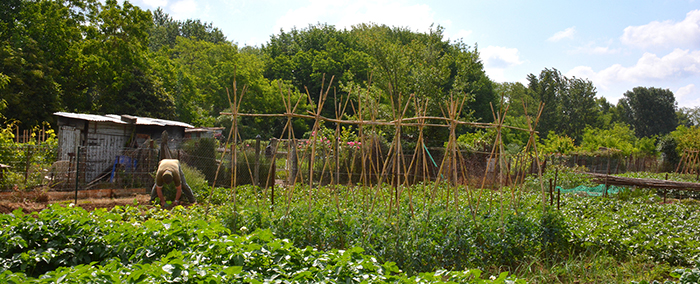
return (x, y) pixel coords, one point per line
(130, 245)
(425, 234)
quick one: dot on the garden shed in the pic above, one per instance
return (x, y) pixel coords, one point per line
(204, 132)
(103, 139)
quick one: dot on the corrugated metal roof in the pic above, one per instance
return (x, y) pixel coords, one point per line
(160, 122)
(118, 119)
(89, 117)
(204, 129)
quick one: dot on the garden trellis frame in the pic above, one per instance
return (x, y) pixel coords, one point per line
(378, 165)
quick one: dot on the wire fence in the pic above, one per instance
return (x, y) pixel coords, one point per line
(30, 166)
(27, 167)
(608, 164)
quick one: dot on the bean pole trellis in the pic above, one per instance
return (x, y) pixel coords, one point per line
(373, 161)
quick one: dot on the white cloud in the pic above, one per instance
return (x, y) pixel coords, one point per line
(685, 91)
(666, 34)
(500, 57)
(591, 48)
(677, 64)
(185, 9)
(688, 96)
(346, 13)
(497, 58)
(567, 33)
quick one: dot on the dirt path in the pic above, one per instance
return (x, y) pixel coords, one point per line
(90, 200)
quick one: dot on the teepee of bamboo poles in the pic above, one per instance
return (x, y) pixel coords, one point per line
(391, 167)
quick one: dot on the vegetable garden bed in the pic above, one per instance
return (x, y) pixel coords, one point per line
(355, 234)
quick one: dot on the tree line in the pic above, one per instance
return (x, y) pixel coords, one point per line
(89, 56)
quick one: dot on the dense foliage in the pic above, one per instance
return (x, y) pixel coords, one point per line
(87, 55)
(353, 234)
(652, 111)
(30, 162)
(502, 235)
(70, 245)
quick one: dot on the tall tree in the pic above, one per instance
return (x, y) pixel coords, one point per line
(470, 78)
(401, 63)
(579, 108)
(516, 95)
(547, 89)
(305, 57)
(35, 41)
(165, 31)
(570, 104)
(114, 60)
(651, 111)
(689, 116)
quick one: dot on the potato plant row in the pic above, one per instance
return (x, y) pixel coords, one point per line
(135, 245)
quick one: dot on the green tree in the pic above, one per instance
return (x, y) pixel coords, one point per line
(651, 111)
(546, 89)
(470, 79)
(31, 94)
(570, 104)
(112, 64)
(516, 95)
(400, 62)
(10, 10)
(561, 144)
(305, 57)
(689, 116)
(619, 137)
(579, 108)
(688, 138)
(200, 74)
(165, 31)
(35, 42)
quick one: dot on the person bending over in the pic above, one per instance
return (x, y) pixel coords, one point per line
(169, 171)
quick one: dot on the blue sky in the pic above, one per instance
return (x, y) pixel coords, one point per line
(618, 45)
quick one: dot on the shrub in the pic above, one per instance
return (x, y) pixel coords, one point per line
(620, 137)
(668, 147)
(30, 162)
(201, 154)
(196, 180)
(687, 137)
(560, 144)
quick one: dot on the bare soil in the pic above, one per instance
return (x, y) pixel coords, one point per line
(37, 200)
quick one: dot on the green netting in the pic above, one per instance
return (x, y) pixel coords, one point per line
(592, 190)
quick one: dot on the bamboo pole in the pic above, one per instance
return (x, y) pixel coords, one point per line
(218, 168)
(378, 164)
(534, 145)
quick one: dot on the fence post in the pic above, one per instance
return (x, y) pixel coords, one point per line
(551, 192)
(294, 167)
(256, 174)
(77, 174)
(27, 165)
(270, 181)
(558, 197)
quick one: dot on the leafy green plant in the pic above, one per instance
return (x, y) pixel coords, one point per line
(558, 144)
(479, 140)
(687, 137)
(67, 244)
(668, 147)
(29, 161)
(201, 154)
(620, 137)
